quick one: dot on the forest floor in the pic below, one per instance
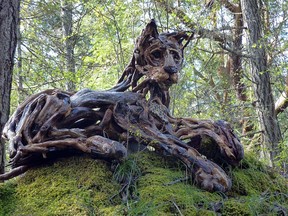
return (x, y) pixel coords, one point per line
(144, 184)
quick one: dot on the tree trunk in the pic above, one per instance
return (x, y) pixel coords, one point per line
(271, 134)
(20, 77)
(67, 23)
(9, 17)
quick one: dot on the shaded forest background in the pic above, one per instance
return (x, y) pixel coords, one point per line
(75, 44)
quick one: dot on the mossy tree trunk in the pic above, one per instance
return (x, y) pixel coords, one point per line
(271, 134)
(9, 16)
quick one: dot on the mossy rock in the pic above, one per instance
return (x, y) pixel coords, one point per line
(84, 186)
(71, 186)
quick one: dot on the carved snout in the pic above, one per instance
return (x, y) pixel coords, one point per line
(170, 65)
(171, 69)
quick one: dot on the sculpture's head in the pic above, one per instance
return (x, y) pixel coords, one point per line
(159, 57)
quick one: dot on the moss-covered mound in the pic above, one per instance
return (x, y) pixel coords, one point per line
(145, 184)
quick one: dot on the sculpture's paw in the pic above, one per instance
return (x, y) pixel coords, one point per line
(232, 150)
(212, 179)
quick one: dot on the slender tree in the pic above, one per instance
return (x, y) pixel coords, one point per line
(19, 72)
(67, 24)
(271, 135)
(9, 17)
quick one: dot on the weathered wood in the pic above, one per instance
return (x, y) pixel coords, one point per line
(101, 123)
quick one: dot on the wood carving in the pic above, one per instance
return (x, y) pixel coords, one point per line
(135, 111)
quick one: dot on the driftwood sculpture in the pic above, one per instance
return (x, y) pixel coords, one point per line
(136, 110)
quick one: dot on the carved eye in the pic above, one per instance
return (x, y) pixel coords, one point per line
(156, 54)
(175, 55)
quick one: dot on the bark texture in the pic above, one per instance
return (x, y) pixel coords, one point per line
(9, 16)
(69, 43)
(271, 134)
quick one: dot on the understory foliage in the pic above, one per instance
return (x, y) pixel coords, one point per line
(145, 184)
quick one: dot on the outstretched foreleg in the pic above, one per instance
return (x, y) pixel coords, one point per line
(207, 175)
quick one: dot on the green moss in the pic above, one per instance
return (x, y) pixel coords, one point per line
(260, 189)
(253, 178)
(71, 186)
(235, 208)
(83, 186)
(7, 198)
(249, 182)
(158, 192)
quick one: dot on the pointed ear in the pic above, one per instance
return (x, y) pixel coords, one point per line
(150, 32)
(151, 29)
(178, 36)
(181, 36)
